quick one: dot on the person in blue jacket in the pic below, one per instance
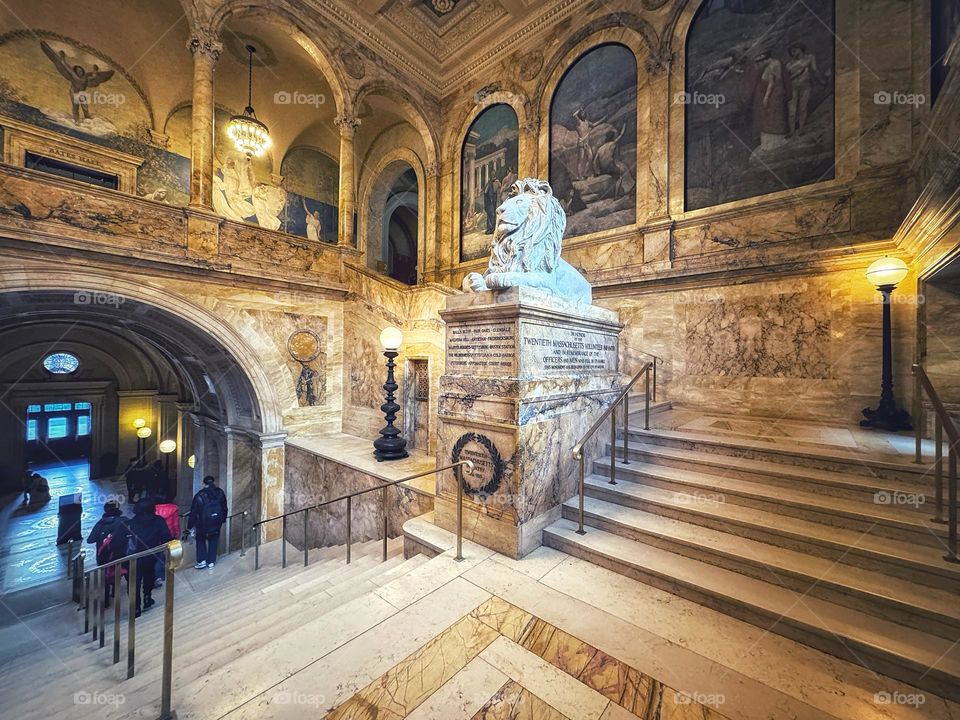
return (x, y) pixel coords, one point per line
(208, 512)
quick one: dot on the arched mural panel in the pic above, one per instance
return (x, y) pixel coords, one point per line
(490, 159)
(593, 141)
(759, 99)
(311, 179)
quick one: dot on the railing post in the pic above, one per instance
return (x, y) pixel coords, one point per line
(256, 549)
(938, 467)
(243, 548)
(384, 502)
(306, 554)
(167, 680)
(626, 427)
(951, 555)
(459, 479)
(131, 616)
(86, 603)
(654, 379)
(283, 541)
(581, 531)
(116, 614)
(97, 599)
(103, 603)
(646, 400)
(613, 445)
(917, 409)
(349, 533)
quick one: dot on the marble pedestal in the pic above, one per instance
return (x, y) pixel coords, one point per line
(526, 376)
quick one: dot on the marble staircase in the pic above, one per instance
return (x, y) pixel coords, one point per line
(52, 671)
(832, 549)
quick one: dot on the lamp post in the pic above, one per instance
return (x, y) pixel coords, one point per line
(167, 447)
(142, 434)
(390, 446)
(885, 273)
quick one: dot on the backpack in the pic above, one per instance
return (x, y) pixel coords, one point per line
(210, 516)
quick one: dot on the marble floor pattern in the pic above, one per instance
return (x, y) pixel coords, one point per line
(29, 555)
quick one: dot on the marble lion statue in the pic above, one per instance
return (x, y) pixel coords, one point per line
(526, 246)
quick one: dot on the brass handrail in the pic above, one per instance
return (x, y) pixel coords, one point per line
(94, 587)
(611, 412)
(657, 360)
(229, 525)
(349, 498)
(942, 422)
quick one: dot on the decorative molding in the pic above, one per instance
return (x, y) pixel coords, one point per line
(206, 43)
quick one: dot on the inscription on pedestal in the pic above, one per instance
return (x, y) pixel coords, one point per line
(485, 349)
(566, 350)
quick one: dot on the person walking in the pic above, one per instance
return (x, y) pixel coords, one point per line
(109, 522)
(147, 530)
(171, 516)
(208, 512)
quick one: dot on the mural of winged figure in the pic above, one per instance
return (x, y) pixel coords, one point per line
(80, 78)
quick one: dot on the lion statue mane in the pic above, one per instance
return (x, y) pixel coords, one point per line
(526, 246)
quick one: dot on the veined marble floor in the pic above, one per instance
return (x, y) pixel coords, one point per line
(794, 434)
(29, 555)
(550, 636)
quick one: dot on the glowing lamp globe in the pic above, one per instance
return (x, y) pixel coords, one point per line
(144, 432)
(192, 461)
(167, 446)
(249, 135)
(391, 338)
(886, 272)
(139, 423)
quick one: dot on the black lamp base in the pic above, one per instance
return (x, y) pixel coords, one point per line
(386, 448)
(886, 417)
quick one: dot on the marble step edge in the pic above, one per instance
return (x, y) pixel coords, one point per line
(902, 653)
(357, 570)
(300, 575)
(368, 576)
(775, 496)
(815, 453)
(828, 479)
(925, 566)
(872, 587)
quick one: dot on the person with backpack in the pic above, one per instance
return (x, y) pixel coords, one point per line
(208, 512)
(171, 516)
(146, 530)
(100, 537)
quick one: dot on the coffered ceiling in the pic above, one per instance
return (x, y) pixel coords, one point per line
(446, 42)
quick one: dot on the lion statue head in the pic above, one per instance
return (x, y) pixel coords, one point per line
(526, 246)
(529, 231)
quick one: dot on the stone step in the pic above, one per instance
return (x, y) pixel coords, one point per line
(802, 454)
(923, 608)
(697, 486)
(908, 561)
(850, 485)
(925, 661)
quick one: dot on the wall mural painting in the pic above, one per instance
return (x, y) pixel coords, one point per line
(490, 160)
(55, 83)
(312, 181)
(759, 98)
(944, 23)
(305, 348)
(593, 141)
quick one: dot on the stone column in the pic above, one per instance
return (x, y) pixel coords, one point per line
(227, 480)
(431, 224)
(206, 47)
(348, 125)
(200, 438)
(184, 448)
(272, 459)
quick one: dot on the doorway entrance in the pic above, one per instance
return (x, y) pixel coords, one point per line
(58, 431)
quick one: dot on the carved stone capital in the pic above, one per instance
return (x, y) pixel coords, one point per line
(531, 126)
(432, 170)
(348, 124)
(206, 43)
(660, 62)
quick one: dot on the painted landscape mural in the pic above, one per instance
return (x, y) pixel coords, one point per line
(490, 160)
(593, 141)
(759, 98)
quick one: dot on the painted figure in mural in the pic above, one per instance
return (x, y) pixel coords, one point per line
(526, 246)
(80, 79)
(306, 385)
(767, 91)
(491, 195)
(508, 180)
(802, 68)
(268, 203)
(158, 195)
(607, 162)
(314, 225)
(584, 145)
(233, 186)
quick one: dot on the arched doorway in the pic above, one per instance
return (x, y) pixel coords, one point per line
(394, 223)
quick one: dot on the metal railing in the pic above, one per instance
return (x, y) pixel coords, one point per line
(229, 525)
(349, 500)
(942, 423)
(657, 360)
(93, 593)
(611, 412)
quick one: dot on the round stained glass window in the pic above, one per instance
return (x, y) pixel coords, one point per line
(61, 363)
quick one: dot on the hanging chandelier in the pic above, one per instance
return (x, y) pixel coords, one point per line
(249, 135)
